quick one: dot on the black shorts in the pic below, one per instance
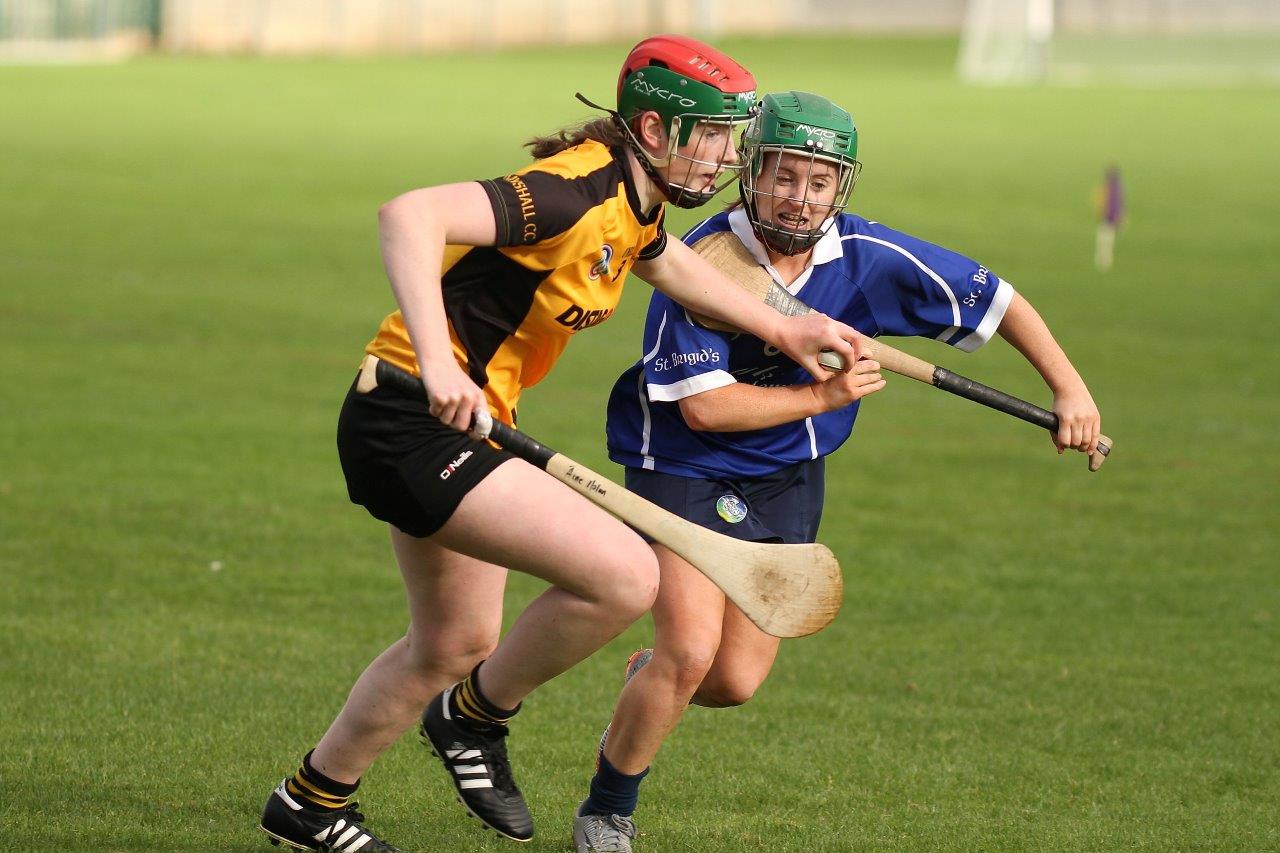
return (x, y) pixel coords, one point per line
(785, 506)
(403, 465)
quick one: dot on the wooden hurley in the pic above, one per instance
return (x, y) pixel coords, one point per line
(786, 590)
(726, 253)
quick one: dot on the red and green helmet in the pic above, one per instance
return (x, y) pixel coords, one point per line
(800, 129)
(684, 81)
(690, 85)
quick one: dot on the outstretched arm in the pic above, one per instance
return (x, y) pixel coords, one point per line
(1079, 423)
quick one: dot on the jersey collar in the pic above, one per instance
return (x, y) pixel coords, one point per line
(827, 249)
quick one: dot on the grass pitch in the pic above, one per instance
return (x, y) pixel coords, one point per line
(1029, 656)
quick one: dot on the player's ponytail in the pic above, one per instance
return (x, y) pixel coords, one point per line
(602, 130)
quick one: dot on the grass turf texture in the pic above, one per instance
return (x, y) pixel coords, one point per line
(1029, 656)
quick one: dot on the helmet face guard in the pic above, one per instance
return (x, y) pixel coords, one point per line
(800, 206)
(710, 144)
(800, 166)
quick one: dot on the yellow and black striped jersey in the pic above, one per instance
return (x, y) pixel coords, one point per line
(569, 230)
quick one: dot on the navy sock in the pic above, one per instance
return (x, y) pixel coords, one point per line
(612, 791)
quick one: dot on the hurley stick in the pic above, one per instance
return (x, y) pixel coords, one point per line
(725, 252)
(786, 590)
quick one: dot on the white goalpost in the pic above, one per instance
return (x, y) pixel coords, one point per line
(1134, 41)
(42, 31)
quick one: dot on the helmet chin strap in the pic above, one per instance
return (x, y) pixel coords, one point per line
(689, 199)
(676, 194)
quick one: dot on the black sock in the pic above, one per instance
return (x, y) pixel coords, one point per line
(467, 701)
(318, 791)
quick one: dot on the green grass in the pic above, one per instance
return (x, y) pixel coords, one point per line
(1029, 656)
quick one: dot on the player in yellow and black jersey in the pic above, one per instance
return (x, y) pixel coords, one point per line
(569, 229)
(492, 279)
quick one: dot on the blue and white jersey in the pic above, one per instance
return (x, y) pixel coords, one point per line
(880, 281)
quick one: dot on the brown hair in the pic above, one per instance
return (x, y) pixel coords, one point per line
(602, 130)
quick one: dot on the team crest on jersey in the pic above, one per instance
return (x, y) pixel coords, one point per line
(731, 508)
(601, 267)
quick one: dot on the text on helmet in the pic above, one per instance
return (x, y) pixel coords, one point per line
(664, 94)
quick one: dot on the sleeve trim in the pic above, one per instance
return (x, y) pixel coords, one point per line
(990, 322)
(502, 222)
(654, 247)
(688, 387)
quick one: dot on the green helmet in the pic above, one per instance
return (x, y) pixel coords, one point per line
(690, 85)
(800, 199)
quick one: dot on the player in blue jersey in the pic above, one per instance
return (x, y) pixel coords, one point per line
(726, 431)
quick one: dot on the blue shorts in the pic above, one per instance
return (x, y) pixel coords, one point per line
(785, 506)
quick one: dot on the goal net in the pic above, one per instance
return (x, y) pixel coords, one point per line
(1132, 41)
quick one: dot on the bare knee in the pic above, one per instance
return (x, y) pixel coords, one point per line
(685, 667)
(726, 692)
(629, 586)
(452, 652)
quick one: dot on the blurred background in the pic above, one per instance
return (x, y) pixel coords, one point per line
(1029, 656)
(1003, 39)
